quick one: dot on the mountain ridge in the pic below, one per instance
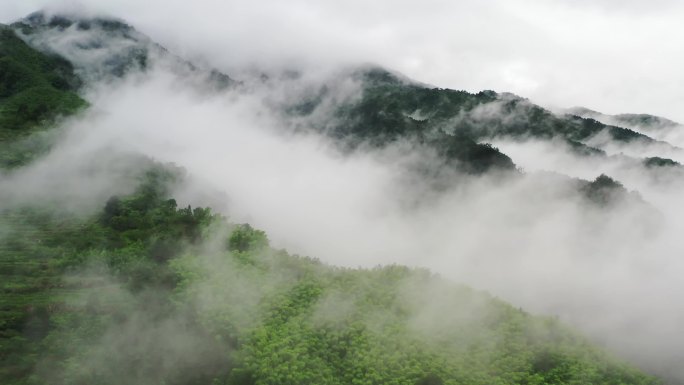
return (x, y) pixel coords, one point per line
(455, 125)
(303, 322)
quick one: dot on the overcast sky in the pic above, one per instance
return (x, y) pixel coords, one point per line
(609, 55)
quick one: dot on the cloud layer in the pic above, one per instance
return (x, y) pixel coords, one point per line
(608, 55)
(615, 274)
(529, 240)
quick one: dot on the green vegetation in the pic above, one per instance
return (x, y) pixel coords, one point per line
(145, 292)
(44, 252)
(605, 191)
(472, 157)
(313, 324)
(656, 161)
(391, 109)
(119, 48)
(35, 89)
(118, 63)
(644, 120)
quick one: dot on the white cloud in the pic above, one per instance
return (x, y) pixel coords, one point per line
(527, 240)
(608, 55)
(524, 240)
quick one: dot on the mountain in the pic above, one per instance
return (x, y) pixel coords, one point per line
(131, 295)
(658, 128)
(411, 107)
(638, 122)
(143, 291)
(35, 89)
(106, 49)
(456, 125)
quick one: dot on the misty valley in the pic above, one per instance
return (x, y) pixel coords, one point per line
(163, 221)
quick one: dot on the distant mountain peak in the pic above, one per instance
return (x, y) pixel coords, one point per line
(646, 123)
(80, 20)
(103, 48)
(99, 47)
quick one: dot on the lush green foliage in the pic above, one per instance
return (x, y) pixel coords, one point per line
(145, 293)
(35, 89)
(313, 324)
(132, 239)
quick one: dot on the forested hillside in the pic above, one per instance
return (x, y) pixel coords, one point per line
(396, 107)
(147, 291)
(35, 89)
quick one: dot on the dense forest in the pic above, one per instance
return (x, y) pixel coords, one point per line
(146, 292)
(35, 89)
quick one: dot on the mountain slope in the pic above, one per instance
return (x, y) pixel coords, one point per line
(35, 89)
(480, 116)
(639, 122)
(133, 295)
(661, 129)
(107, 49)
(147, 292)
(390, 108)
